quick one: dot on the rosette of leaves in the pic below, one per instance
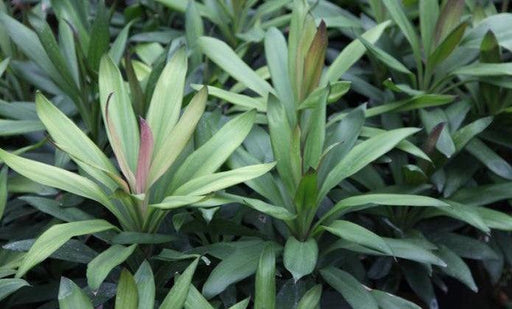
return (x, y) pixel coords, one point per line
(157, 167)
(314, 159)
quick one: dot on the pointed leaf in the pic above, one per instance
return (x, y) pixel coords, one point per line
(56, 236)
(362, 155)
(218, 181)
(177, 296)
(126, 293)
(10, 285)
(122, 117)
(144, 158)
(353, 291)
(71, 296)
(300, 257)
(358, 234)
(99, 268)
(165, 105)
(145, 286)
(220, 53)
(167, 153)
(212, 154)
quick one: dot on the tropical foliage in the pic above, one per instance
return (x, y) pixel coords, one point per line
(254, 154)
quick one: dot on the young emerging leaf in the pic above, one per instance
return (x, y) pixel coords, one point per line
(314, 61)
(449, 19)
(145, 155)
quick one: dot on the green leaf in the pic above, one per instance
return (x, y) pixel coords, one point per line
(390, 301)
(241, 100)
(174, 201)
(265, 296)
(145, 286)
(456, 268)
(55, 177)
(483, 195)
(100, 267)
(311, 299)
(351, 53)
(220, 53)
(100, 36)
(164, 109)
(495, 219)
(429, 12)
(167, 153)
(398, 15)
(118, 46)
(196, 300)
(362, 155)
(385, 58)
(214, 182)
(404, 145)
(194, 29)
(466, 247)
(411, 249)
(276, 53)
(281, 137)
(447, 46)
(465, 134)
(126, 292)
(485, 69)
(120, 111)
(305, 201)
(50, 45)
(56, 236)
(353, 291)
(315, 132)
(212, 154)
(300, 257)
(11, 285)
(17, 127)
(241, 305)
(177, 296)
(489, 158)
(3, 191)
(238, 265)
(278, 212)
(358, 234)
(342, 139)
(71, 139)
(3, 65)
(28, 42)
(71, 296)
(368, 200)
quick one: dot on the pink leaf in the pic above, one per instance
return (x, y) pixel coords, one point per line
(145, 154)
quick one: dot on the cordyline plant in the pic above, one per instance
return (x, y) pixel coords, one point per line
(151, 180)
(312, 161)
